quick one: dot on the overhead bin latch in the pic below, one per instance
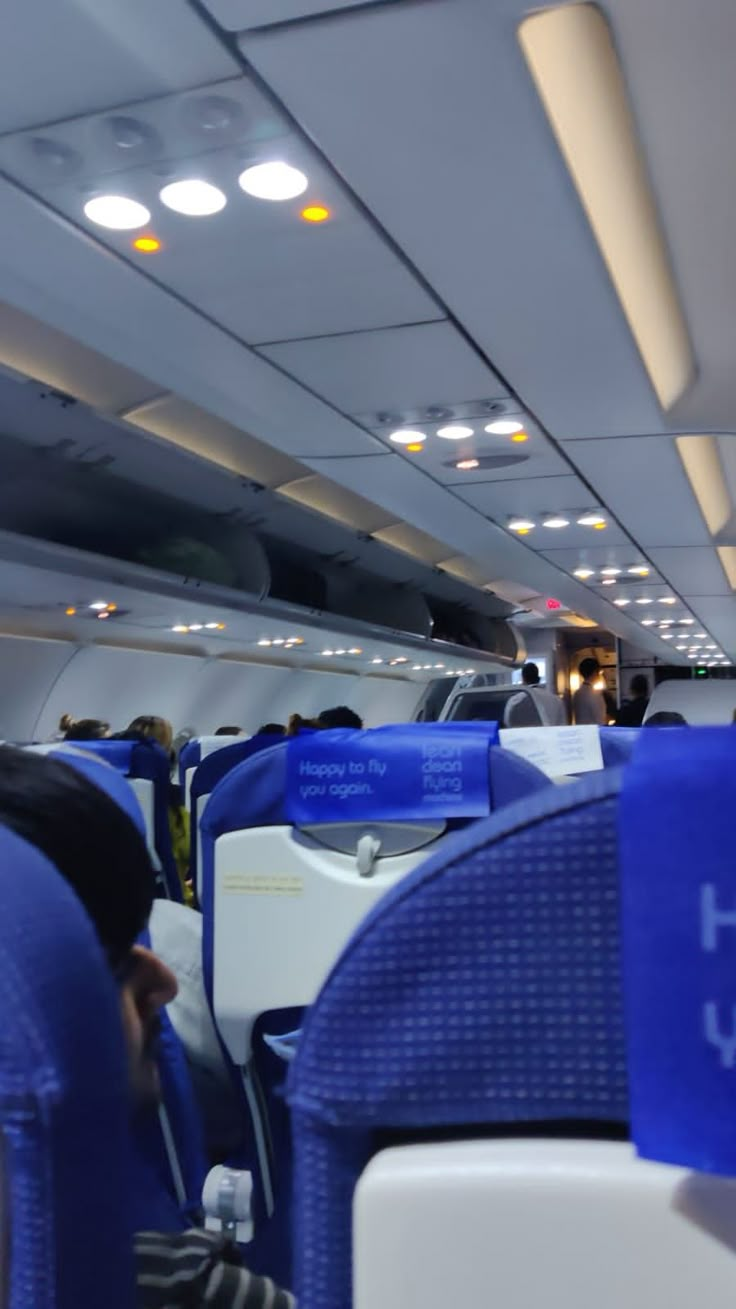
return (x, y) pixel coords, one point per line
(367, 852)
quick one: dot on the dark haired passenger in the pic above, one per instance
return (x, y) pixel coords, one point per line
(84, 833)
(340, 716)
(666, 718)
(632, 711)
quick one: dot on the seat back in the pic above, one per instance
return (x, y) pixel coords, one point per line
(195, 752)
(277, 890)
(489, 994)
(102, 774)
(564, 1223)
(146, 766)
(202, 781)
(64, 1156)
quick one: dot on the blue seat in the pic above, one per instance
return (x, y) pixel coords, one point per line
(103, 774)
(147, 767)
(64, 1109)
(617, 745)
(485, 993)
(168, 1141)
(249, 821)
(206, 776)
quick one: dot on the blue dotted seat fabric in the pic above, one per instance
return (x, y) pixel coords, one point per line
(484, 989)
(64, 1100)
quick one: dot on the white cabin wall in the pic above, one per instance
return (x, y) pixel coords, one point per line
(43, 679)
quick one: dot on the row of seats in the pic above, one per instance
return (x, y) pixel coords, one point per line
(485, 987)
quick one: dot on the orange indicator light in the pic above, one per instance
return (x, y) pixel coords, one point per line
(414, 448)
(147, 245)
(315, 214)
(520, 436)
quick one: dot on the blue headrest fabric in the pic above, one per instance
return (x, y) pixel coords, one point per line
(518, 1018)
(106, 777)
(617, 745)
(147, 760)
(217, 765)
(64, 1106)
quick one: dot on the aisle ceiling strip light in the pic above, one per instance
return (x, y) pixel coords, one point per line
(571, 56)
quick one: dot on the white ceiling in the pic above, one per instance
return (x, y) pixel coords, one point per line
(457, 267)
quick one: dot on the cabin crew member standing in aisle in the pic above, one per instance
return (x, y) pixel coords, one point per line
(588, 704)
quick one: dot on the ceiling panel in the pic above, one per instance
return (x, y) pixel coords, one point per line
(718, 616)
(600, 555)
(59, 60)
(535, 497)
(238, 15)
(403, 369)
(506, 461)
(693, 570)
(645, 486)
(461, 168)
(255, 267)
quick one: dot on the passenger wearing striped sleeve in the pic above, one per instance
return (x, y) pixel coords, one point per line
(99, 851)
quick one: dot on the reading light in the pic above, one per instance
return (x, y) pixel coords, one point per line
(193, 197)
(504, 427)
(648, 622)
(406, 436)
(466, 464)
(608, 581)
(117, 212)
(610, 572)
(522, 525)
(99, 604)
(591, 520)
(639, 570)
(621, 602)
(583, 573)
(555, 522)
(273, 181)
(180, 627)
(454, 432)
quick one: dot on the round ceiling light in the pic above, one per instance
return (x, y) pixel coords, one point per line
(583, 573)
(454, 432)
(504, 427)
(117, 212)
(465, 465)
(521, 525)
(556, 521)
(591, 520)
(405, 436)
(273, 181)
(193, 197)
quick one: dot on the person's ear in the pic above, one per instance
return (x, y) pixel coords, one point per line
(151, 983)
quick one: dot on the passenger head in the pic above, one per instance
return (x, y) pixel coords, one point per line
(530, 675)
(272, 729)
(153, 729)
(83, 729)
(666, 718)
(103, 856)
(340, 716)
(228, 731)
(639, 686)
(296, 724)
(589, 669)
